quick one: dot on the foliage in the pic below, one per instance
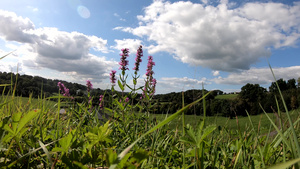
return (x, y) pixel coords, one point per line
(122, 134)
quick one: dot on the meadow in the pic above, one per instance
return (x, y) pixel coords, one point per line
(123, 134)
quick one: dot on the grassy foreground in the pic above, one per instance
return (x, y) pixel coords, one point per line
(34, 135)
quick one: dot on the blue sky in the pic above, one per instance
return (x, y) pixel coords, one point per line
(223, 44)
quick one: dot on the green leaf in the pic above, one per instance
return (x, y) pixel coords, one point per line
(140, 155)
(47, 152)
(277, 129)
(58, 149)
(2, 85)
(6, 55)
(295, 139)
(285, 165)
(119, 104)
(27, 118)
(206, 132)
(80, 165)
(66, 142)
(187, 140)
(120, 85)
(159, 125)
(134, 81)
(3, 123)
(190, 132)
(2, 104)
(28, 154)
(15, 121)
(278, 142)
(124, 160)
(112, 156)
(200, 128)
(129, 87)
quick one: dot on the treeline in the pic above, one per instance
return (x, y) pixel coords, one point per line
(251, 98)
(27, 85)
(36, 86)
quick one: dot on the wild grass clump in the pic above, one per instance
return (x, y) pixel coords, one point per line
(120, 132)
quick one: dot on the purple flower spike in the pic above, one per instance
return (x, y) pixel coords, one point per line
(89, 85)
(113, 77)
(63, 89)
(101, 102)
(138, 60)
(150, 65)
(123, 62)
(153, 86)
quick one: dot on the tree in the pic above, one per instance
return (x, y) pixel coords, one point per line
(291, 84)
(251, 95)
(282, 85)
(252, 92)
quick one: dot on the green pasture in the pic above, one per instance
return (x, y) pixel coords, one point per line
(260, 122)
(226, 96)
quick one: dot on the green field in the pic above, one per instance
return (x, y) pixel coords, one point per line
(226, 96)
(238, 123)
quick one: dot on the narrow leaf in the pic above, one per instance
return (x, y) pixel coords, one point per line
(162, 123)
(120, 85)
(46, 151)
(6, 55)
(27, 118)
(285, 165)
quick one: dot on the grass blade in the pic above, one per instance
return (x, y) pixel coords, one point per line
(7, 55)
(285, 165)
(47, 152)
(159, 125)
(295, 139)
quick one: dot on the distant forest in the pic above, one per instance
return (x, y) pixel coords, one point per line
(250, 98)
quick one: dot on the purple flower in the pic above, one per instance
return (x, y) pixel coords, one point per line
(63, 89)
(127, 99)
(123, 62)
(89, 85)
(150, 65)
(113, 77)
(150, 83)
(101, 102)
(138, 60)
(153, 86)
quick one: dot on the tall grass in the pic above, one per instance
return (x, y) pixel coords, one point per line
(33, 134)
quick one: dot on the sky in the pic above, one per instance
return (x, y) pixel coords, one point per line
(221, 44)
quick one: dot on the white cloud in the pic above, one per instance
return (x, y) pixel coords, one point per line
(34, 9)
(171, 84)
(259, 76)
(204, 1)
(66, 52)
(15, 28)
(11, 67)
(118, 16)
(218, 37)
(216, 73)
(131, 44)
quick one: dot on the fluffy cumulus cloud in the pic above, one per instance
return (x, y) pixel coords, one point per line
(259, 76)
(67, 52)
(15, 28)
(218, 37)
(131, 44)
(171, 84)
